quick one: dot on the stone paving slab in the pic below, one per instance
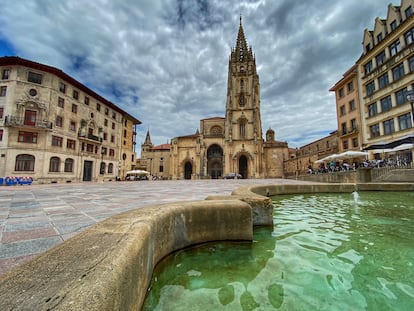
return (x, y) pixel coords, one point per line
(35, 218)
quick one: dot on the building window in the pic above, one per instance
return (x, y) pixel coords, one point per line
(30, 117)
(75, 94)
(386, 103)
(72, 126)
(105, 136)
(388, 126)
(354, 124)
(54, 164)
(59, 121)
(401, 96)
(380, 58)
(343, 128)
(242, 129)
(3, 91)
(68, 166)
(395, 47)
(34, 77)
(161, 168)
(113, 115)
(5, 75)
(89, 148)
(106, 111)
(341, 92)
(57, 141)
(379, 37)
(350, 86)
(113, 125)
(352, 106)
(1, 135)
(345, 144)
(110, 168)
(62, 87)
(368, 67)
(74, 108)
(383, 81)
(355, 142)
(106, 122)
(404, 121)
(27, 137)
(71, 144)
(112, 138)
(24, 162)
(398, 72)
(111, 152)
(408, 12)
(409, 36)
(372, 110)
(393, 25)
(370, 88)
(374, 130)
(1, 112)
(86, 101)
(411, 63)
(61, 102)
(125, 133)
(98, 107)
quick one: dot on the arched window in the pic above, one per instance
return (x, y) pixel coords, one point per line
(69, 165)
(54, 164)
(242, 129)
(110, 168)
(24, 162)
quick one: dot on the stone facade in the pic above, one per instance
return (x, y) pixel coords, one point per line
(234, 143)
(55, 129)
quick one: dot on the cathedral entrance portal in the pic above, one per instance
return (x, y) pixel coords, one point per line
(215, 161)
(243, 166)
(188, 170)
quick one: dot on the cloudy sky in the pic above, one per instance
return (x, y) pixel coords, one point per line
(165, 61)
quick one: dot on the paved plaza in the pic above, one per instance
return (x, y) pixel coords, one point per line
(35, 218)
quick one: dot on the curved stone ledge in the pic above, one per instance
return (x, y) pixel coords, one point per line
(109, 266)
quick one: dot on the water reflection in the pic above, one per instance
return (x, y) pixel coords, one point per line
(325, 252)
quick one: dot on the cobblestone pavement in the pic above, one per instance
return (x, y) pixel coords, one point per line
(35, 218)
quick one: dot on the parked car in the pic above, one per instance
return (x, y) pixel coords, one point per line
(232, 176)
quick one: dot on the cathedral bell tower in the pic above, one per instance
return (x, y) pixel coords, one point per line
(243, 128)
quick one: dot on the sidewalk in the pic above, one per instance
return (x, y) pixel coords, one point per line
(35, 218)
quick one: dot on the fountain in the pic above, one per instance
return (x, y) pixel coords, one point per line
(322, 254)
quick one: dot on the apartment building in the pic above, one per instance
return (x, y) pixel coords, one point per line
(348, 111)
(55, 129)
(386, 74)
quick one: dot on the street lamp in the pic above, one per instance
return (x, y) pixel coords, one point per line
(102, 170)
(410, 98)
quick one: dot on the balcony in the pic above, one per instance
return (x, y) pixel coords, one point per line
(349, 131)
(14, 121)
(90, 137)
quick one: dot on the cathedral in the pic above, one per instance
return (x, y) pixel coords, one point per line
(232, 144)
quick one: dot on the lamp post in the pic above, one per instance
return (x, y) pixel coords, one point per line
(410, 98)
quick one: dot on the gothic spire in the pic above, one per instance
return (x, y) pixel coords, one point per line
(148, 139)
(242, 52)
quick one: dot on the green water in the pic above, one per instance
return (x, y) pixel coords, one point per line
(325, 252)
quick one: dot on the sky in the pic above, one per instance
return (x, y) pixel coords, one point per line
(166, 61)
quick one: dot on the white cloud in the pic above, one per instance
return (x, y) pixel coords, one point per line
(165, 62)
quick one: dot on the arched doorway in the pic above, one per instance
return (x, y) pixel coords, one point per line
(188, 170)
(243, 166)
(215, 161)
